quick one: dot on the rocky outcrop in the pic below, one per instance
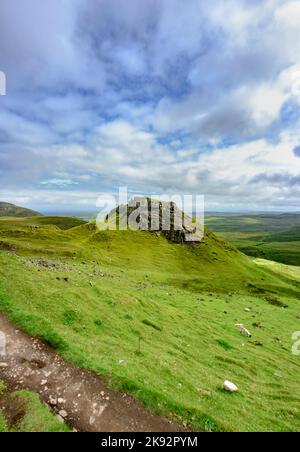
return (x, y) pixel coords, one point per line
(158, 216)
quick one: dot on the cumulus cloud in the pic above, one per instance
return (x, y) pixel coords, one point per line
(161, 95)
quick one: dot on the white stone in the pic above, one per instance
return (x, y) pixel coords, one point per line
(52, 400)
(63, 413)
(3, 365)
(121, 361)
(229, 386)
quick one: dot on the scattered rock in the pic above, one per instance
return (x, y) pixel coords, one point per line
(32, 364)
(37, 363)
(248, 309)
(53, 400)
(121, 361)
(63, 413)
(3, 365)
(43, 263)
(229, 386)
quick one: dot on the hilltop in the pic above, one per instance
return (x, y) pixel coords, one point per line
(153, 215)
(10, 210)
(156, 319)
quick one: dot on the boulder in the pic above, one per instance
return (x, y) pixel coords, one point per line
(63, 413)
(149, 214)
(229, 386)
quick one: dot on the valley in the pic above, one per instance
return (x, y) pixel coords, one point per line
(269, 236)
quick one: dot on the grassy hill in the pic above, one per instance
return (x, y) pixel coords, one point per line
(10, 210)
(269, 236)
(157, 319)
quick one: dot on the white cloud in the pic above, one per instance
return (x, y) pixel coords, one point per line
(150, 97)
(59, 182)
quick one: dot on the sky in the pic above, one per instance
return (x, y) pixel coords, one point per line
(161, 96)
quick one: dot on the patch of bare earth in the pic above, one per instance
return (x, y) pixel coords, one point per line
(13, 409)
(77, 396)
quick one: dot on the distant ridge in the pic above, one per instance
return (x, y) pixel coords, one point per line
(10, 210)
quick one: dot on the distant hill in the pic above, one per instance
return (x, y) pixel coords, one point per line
(10, 210)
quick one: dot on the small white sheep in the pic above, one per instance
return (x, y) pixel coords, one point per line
(243, 330)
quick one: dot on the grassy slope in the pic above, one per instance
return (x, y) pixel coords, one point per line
(34, 416)
(10, 210)
(181, 301)
(273, 237)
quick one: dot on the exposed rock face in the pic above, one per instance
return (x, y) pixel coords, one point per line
(158, 216)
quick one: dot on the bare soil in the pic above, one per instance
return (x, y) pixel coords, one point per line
(77, 396)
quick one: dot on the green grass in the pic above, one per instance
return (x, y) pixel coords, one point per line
(31, 415)
(158, 320)
(269, 236)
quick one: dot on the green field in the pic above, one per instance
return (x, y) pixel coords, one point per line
(269, 236)
(95, 295)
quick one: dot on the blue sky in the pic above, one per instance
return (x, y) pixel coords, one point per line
(163, 96)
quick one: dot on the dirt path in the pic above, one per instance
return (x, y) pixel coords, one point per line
(76, 395)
